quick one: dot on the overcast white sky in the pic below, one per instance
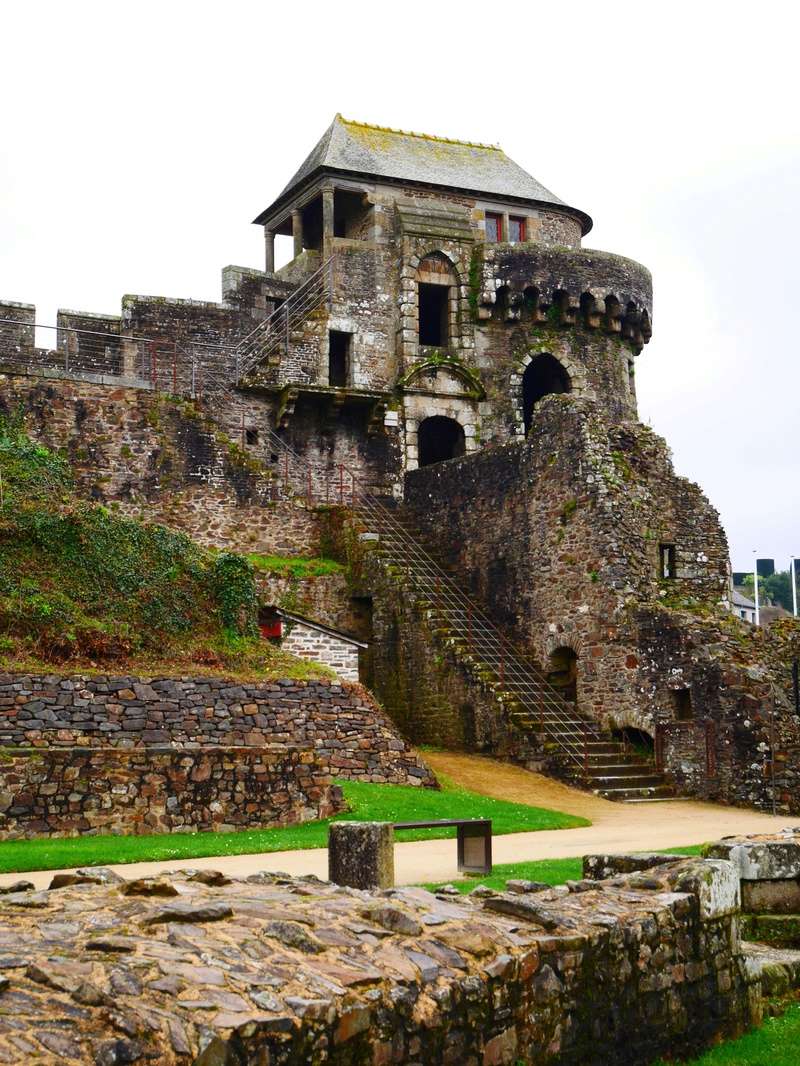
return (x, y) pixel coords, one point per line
(140, 139)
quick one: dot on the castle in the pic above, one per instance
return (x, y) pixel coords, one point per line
(442, 382)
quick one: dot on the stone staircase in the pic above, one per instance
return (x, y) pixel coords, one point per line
(586, 754)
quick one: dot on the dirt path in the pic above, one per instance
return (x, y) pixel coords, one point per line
(615, 827)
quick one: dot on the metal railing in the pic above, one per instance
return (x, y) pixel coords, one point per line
(187, 368)
(471, 628)
(115, 358)
(274, 334)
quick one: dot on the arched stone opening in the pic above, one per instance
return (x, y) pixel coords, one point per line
(543, 376)
(563, 673)
(440, 438)
(638, 741)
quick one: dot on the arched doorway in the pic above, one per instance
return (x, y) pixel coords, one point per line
(543, 375)
(563, 673)
(439, 438)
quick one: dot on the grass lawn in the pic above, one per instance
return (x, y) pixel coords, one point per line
(366, 802)
(775, 1043)
(550, 871)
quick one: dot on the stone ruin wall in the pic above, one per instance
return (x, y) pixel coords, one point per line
(560, 535)
(161, 460)
(243, 754)
(74, 791)
(604, 973)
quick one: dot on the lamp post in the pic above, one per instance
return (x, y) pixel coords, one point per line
(755, 587)
(794, 585)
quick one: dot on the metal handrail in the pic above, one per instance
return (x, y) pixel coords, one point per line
(273, 330)
(573, 735)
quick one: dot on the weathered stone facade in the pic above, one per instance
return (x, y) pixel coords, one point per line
(194, 753)
(198, 968)
(561, 535)
(439, 313)
(321, 645)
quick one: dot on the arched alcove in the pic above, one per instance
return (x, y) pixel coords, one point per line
(439, 438)
(563, 673)
(543, 375)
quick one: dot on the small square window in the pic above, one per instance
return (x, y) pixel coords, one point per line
(516, 230)
(251, 436)
(666, 561)
(494, 227)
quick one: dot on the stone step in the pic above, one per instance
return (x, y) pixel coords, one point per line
(779, 930)
(621, 769)
(660, 791)
(635, 781)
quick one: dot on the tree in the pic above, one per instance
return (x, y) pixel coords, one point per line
(777, 588)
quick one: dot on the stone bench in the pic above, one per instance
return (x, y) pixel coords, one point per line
(361, 854)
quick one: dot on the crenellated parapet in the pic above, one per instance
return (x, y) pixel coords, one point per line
(564, 286)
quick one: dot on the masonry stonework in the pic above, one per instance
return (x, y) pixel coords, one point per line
(206, 969)
(193, 753)
(441, 335)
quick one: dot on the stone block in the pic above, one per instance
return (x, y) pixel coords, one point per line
(361, 854)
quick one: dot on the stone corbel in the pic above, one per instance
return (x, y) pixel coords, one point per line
(286, 405)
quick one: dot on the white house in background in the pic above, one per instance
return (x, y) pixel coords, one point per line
(743, 607)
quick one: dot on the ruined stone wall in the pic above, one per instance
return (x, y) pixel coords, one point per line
(76, 790)
(560, 536)
(612, 974)
(163, 460)
(341, 724)
(423, 685)
(327, 599)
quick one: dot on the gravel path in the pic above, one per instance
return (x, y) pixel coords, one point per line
(615, 827)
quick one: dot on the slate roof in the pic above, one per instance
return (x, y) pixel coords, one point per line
(742, 601)
(348, 638)
(395, 155)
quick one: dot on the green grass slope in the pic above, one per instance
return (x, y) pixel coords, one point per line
(365, 802)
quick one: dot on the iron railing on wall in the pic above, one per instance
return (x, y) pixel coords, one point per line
(186, 368)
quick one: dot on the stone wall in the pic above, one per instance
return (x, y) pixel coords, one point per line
(73, 791)
(560, 535)
(610, 974)
(163, 460)
(340, 723)
(326, 598)
(423, 683)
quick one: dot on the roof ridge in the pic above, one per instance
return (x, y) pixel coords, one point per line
(422, 136)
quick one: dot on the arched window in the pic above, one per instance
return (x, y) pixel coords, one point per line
(543, 375)
(439, 438)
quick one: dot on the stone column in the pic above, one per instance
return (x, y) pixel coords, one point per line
(269, 250)
(361, 854)
(297, 231)
(506, 234)
(327, 220)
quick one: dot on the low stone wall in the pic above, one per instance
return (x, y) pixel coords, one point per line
(340, 723)
(77, 791)
(605, 974)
